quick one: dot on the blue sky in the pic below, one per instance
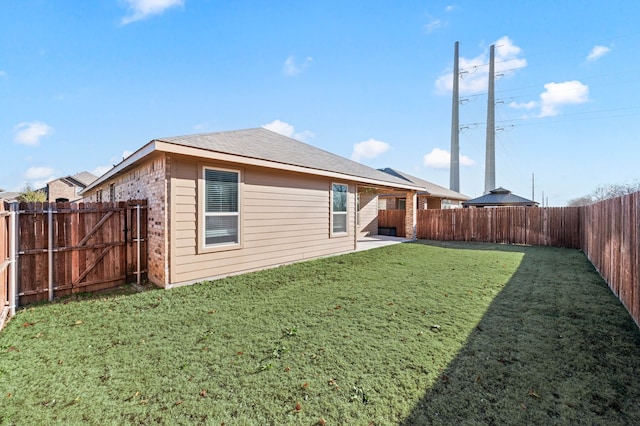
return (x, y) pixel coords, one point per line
(83, 84)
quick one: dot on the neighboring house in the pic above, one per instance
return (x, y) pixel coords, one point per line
(9, 196)
(68, 188)
(499, 197)
(432, 196)
(230, 202)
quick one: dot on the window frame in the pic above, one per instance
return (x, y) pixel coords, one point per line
(112, 192)
(203, 247)
(344, 233)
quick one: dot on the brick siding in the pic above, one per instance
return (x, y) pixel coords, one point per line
(147, 181)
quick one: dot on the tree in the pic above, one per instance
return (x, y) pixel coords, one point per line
(604, 192)
(580, 201)
(30, 195)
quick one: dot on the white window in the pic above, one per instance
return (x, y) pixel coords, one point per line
(221, 207)
(112, 192)
(339, 208)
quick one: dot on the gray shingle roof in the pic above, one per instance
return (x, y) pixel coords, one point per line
(85, 178)
(9, 195)
(263, 144)
(430, 187)
(500, 197)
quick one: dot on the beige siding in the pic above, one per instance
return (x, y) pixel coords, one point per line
(368, 214)
(285, 218)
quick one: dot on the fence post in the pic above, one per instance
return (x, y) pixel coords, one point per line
(50, 252)
(13, 259)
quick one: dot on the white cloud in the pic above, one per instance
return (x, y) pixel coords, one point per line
(441, 159)
(30, 133)
(280, 127)
(3, 73)
(291, 68)
(288, 130)
(474, 72)
(433, 25)
(524, 105)
(369, 149)
(141, 9)
(39, 172)
(597, 52)
(39, 176)
(449, 8)
(558, 94)
(100, 170)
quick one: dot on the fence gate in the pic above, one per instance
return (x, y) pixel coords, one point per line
(7, 262)
(68, 248)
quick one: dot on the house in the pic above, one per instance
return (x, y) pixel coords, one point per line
(67, 188)
(9, 195)
(499, 197)
(431, 196)
(231, 202)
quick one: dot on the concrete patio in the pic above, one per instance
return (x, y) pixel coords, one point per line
(375, 241)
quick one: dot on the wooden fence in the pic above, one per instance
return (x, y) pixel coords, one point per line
(392, 219)
(65, 248)
(611, 240)
(551, 226)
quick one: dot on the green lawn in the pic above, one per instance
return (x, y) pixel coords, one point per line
(420, 333)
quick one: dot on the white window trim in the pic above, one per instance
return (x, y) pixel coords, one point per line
(203, 213)
(346, 213)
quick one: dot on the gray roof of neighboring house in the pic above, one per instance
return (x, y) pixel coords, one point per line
(9, 196)
(82, 178)
(500, 197)
(430, 188)
(264, 144)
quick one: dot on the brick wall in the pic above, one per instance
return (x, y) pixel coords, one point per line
(146, 181)
(59, 189)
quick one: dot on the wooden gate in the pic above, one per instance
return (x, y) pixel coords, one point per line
(5, 261)
(66, 248)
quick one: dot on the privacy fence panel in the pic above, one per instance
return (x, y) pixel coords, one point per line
(510, 225)
(67, 248)
(392, 219)
(610, 240)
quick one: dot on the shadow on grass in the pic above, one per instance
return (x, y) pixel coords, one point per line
(554, 347)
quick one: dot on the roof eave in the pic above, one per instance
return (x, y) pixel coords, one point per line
(172, 148)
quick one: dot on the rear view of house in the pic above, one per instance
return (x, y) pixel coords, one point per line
(230, 202)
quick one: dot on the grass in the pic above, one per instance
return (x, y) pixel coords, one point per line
(408, 334)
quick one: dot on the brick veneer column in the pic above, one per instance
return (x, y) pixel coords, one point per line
(410, 219)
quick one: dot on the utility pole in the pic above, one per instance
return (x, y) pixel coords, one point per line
(533, 187)
(454, 168)
(490, 159)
